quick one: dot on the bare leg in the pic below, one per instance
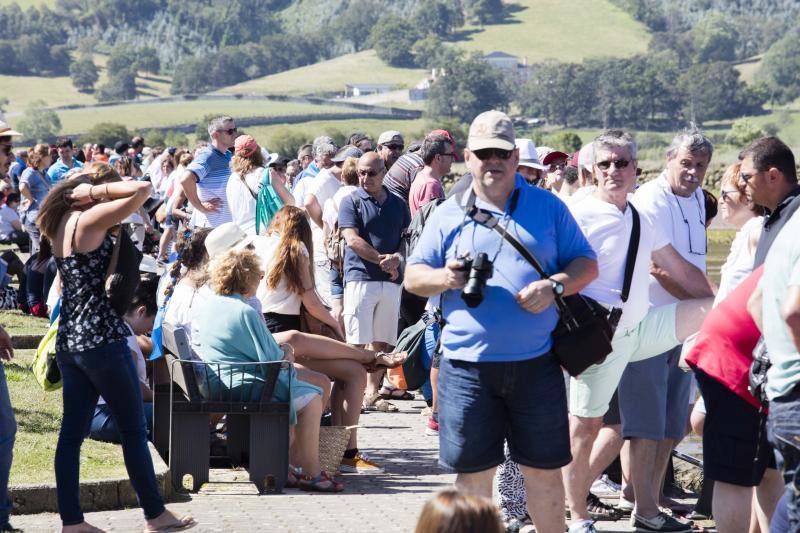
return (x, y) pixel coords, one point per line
(307, 345)
(165, 241)
(375, 379)
(337, 310)
(477, 483)
(767, 495)
(307, 437)
(698, 421)
(83, 527)
(577, 475)
(663, 454)
(606, 448)
(625, 464)
(351, 380)
(643, 472)
(731, 507)
(304, 373)
(435, 390)
(547, 506)
(689, 316)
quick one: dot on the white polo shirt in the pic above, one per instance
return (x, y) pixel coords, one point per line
(683, 220)
(608, 230)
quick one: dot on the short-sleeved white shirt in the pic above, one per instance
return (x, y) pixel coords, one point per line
(7, 216)
(322, 186)
(608, 230)
(681, 219)
(241, 201)
(280, 299)
(330, 213)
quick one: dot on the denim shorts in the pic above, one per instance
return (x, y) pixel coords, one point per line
(337, 282)
(483, 404)
(783, 426)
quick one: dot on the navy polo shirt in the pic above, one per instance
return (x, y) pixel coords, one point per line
(381, 225)
(499, 329)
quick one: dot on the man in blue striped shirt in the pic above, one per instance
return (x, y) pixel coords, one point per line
(206, 177)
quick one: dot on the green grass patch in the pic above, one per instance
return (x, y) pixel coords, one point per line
(148, 115)
(748, 68)
(38, 416)
(330, 76)
(25, 4)
(584, 28)
(18, 323)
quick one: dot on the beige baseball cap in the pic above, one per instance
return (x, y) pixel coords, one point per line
(491, 129)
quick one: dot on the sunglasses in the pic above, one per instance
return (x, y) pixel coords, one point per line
(369, 173)
(488, 153)
(557, 166)
(618, 163)
(279, 168)
(229, 131)
(393, 147)
(746, 177)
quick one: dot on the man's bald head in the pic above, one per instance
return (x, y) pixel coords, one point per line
(371, 170)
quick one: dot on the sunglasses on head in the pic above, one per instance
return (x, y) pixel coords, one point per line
(487, 153)
(368, 173)
(618, 163)
(229, 131)
(394, 147)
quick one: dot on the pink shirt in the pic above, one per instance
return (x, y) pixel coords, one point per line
(423, 190)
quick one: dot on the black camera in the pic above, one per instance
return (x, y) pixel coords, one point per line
(480, 269)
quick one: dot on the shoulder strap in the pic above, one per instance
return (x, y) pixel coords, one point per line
(633, 249)
(112, 264)
(265, 179)
(74, 230)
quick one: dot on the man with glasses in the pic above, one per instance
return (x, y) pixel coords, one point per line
(206, 178)
(390, 147)
(437, 153)
(769, 178)
(498, 377)
(654, 393)
(372, 221)
(607, 219)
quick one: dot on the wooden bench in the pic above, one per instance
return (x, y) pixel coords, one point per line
(258, 431)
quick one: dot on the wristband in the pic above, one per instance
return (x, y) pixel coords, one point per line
(92, 198)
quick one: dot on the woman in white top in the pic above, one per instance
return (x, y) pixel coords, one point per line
(248, 168)
(747, 218)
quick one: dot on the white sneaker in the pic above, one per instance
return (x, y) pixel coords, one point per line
(584, 526)
(603, 486)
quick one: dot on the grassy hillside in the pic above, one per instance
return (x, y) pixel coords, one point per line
(24, 4)
(138, 116)
(567, 31)
(329, 76)
(58, 91)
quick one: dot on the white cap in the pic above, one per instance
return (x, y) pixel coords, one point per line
(527, 154)
(586, 156)
(148, 264)
(227, 236)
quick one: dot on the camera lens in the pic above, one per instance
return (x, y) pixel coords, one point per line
(481, 271)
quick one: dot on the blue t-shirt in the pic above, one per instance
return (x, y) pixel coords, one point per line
(212, 168)
(39, 186)
(59, 168)
(309, 172)
(499, 329)
(381, 225)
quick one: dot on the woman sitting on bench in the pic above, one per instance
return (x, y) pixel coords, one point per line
(228, 330)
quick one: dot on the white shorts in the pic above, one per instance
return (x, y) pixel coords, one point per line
(371, 309)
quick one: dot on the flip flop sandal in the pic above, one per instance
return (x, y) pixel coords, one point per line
(395, 394)
(180, 526)
(293, 478)
(376, 403)
(600, 510)
(322, 482)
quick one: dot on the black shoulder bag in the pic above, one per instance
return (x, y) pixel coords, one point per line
(582, 337)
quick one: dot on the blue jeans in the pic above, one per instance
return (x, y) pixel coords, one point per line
(783, 426)
(8, 431)
(431, 340)
(109, 371)
(104, 426)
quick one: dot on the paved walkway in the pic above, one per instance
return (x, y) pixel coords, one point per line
(385, 503)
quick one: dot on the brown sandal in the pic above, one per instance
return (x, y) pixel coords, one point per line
(386, 360)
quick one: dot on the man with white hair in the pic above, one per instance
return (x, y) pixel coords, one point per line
(323, 149)
(654, 393)
(206, 178)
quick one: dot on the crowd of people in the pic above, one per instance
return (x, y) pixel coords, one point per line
(325, 259)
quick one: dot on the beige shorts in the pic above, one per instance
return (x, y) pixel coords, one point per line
(370, 310)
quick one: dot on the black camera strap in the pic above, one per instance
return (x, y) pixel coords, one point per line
(486, 218)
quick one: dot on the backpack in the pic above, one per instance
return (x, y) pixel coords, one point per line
(414, 231)
(267, 202)
(335, 242)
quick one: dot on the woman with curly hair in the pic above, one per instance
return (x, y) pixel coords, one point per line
(229, 330)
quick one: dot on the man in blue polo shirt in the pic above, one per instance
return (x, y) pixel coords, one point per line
(498, 379)
(65, 161)
(372, 221)
(206, 177)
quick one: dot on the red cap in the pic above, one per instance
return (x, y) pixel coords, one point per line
(452, 141)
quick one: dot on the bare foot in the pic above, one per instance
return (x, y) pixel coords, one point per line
(83, 527)
(387, 360)
(169, 521)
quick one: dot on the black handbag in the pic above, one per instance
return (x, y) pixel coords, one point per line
(123, 276)
(582, 337)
